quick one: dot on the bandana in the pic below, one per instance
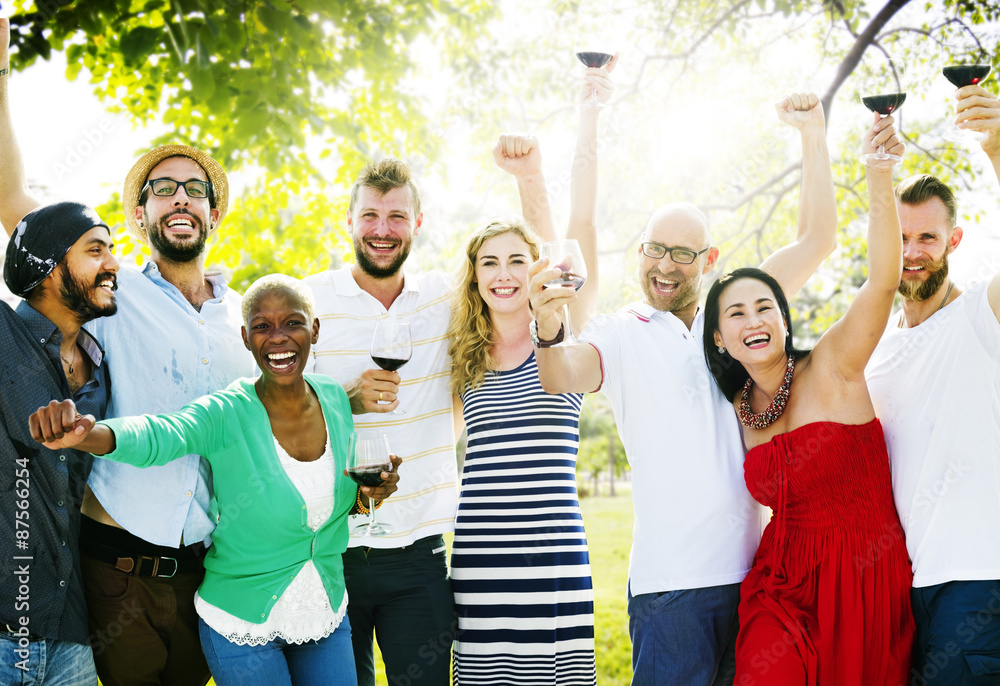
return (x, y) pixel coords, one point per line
(41, 240)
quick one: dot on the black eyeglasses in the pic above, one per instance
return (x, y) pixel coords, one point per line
(678, 255)
(167, 187)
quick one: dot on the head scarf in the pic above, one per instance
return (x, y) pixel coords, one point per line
(41, 240)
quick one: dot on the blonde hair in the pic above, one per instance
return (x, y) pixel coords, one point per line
(471, 330)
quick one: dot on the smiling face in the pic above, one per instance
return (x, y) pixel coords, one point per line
(927, 239)
(279, 333)
(669, 286)
(751, 327)
(383, 227)
(86, 279)
(177, 225)
(502, 272)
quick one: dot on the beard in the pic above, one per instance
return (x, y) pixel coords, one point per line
(377, 271)
(687, 291)
(80, 297)
(174, 251)
(920, 291)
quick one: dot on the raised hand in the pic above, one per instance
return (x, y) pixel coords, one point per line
(801, 110)
(547, 303)
(598, 79)
(518, 154)
(376, 390)
(979, 110)
(58, 425)
(883, 132)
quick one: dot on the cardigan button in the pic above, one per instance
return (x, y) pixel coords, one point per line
(274, 597)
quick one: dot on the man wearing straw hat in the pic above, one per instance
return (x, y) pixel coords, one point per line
(176, 337)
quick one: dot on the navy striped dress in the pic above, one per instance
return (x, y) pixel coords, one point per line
(519, 564)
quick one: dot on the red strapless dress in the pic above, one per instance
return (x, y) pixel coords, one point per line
(827, 601)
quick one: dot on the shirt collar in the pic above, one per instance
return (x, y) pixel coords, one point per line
(345, 285)
(44, 331)
(218, 281)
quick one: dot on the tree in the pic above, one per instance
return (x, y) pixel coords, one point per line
(253, 82)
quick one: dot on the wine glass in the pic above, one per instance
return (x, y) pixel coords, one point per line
(885, 104)
(368, 455)
(565, 255)
(966, 75)
(594, 58)
(391, 346)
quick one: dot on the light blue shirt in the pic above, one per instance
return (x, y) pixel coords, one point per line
(163, 353)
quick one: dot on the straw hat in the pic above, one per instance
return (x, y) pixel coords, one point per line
(136, 179)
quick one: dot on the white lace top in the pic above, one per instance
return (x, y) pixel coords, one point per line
(303, 612)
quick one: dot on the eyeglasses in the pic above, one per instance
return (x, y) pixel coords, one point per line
(165, 188)
(678, 255)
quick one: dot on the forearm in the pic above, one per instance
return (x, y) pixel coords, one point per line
(100, 441)
(583, 211)
(569, 369)
(16, 199)
(535, 204)
(885, 243)
(817, 200)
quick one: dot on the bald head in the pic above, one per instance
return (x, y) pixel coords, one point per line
(679, 224)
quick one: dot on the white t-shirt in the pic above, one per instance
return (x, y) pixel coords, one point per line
(696, 525)
(424, 437)
(936, 390)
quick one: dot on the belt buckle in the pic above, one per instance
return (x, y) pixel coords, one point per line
(171, 574)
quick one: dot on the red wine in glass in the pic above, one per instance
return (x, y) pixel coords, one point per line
(885, 104)
(367, 476)
(566, 256)
(594, 60)
(966, 75)
(390, 364)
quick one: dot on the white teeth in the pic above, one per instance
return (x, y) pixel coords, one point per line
(504, 291)
(758, 338)
(382, 246)
(912, 269)
(180, 222)
(280, 356)
(107, 284)
(664, 283)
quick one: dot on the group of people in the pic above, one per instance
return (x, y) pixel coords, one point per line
(211, 535)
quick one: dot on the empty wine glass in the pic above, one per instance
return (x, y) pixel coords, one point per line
(368, 455)
(966, 75)
(565, 255)
(391, 346)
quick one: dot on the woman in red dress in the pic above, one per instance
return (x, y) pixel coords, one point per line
(827, 599)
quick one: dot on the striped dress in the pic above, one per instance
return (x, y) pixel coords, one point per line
(519, 566)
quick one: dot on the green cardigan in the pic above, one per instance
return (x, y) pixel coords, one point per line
(262, 539)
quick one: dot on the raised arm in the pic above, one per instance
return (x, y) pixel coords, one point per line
(16, 199)
(793, 264)
(583, 189)
(521, 156)
(846, 347)
(979, 109)
(561, 369)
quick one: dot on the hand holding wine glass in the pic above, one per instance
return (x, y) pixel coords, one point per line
(883, 105)
(369, 462)
(565, 255)
(597, 86)
(391, 346)
(881, 147)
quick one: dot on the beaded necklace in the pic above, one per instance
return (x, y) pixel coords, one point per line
(770, 413)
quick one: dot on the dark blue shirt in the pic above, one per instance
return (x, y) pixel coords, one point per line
(41, 490)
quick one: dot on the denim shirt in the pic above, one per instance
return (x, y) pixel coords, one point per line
(41, 490)
(163, 353)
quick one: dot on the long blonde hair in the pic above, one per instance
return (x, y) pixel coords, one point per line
(471, 330)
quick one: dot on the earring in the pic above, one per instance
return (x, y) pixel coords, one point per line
(722, 351)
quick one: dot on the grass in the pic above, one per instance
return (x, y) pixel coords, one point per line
(609, 537)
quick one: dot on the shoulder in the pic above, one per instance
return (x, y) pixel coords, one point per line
(434, 283)
(320, 278)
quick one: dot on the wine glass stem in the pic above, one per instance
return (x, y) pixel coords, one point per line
(371, 517)
(569, 329)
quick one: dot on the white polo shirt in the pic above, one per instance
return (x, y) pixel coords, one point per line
(936, 390)
(424, 437)
(696, 525)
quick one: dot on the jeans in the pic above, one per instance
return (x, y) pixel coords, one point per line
(403, 596)
(687, 638)
(958, 634)
(328, 661)
(44, 662)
